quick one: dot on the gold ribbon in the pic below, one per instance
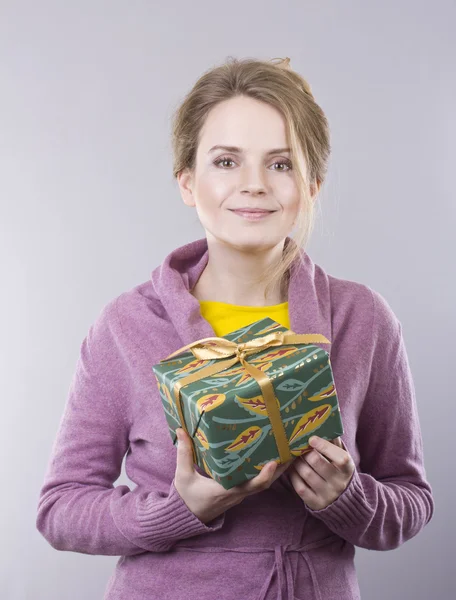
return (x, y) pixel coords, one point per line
(218, 348)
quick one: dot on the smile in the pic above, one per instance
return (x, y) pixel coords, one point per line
(253, 215)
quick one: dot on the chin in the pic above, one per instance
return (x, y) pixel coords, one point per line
(249, 240)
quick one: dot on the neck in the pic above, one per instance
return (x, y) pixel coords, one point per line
(231, 273)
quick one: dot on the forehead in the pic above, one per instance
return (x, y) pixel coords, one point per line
(246, 123)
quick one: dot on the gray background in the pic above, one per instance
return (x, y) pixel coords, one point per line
(89, 207)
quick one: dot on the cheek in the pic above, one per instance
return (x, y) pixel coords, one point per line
(288, 193)
(212, 190)
(212, 197)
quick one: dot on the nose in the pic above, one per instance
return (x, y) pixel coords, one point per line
(253, 181)
(254, 189)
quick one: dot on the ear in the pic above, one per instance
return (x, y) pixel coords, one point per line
(185, 181)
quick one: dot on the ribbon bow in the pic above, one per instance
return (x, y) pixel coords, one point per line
(219, 348)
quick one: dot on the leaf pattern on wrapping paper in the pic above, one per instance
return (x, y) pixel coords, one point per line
(245, 375)
(301, 450)
(236, 369)
(210, 401)
(244, 439)
(206, 468)
(291, 385)
(255, 405)
(310, 421)
(276, 354)
(201, 437)
(166, 395)
(323, 394)
(260, 466)
(190, 366)
(268, 329)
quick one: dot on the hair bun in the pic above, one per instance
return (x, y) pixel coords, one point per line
(284, 63)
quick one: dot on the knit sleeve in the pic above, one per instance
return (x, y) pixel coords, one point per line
(79, 509)
(388, 499)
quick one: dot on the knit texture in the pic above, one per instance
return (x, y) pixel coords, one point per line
(271, 545)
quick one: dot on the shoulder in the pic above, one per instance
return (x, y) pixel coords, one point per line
(131, 305)
(139, 309)
(129, 322)
(360, 316)
(353, 298)
(349, 295)
(365, 317)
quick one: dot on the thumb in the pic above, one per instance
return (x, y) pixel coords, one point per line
(184, 451)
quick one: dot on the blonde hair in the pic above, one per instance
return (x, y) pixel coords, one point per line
(275, 83)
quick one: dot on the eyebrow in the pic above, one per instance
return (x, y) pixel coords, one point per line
(239, 150)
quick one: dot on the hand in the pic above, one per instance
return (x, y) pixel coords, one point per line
(207, 498)
(321, 475)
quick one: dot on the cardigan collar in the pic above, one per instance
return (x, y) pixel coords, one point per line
(309, 312)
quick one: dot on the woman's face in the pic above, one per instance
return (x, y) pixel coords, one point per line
(258, 174)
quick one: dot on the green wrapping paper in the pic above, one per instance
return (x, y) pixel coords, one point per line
(225, 413)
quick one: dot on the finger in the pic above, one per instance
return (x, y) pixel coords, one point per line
(301, 485)
(339, 457)
(312, 472)
(337, 442)
(184, 452)
(284, 466)
(280, 471)
(260, 481)
(319, 463)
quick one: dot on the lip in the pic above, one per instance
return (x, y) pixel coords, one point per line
(246, 209)
(252, 215)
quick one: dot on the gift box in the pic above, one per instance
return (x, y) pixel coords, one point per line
(252, 396)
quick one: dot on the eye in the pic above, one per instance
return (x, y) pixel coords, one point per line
(287, 163)
(227, 159)
(222, 159)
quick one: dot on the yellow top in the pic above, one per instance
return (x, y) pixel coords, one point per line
(225, 318)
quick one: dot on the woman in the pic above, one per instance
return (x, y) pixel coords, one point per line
(251, 148)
